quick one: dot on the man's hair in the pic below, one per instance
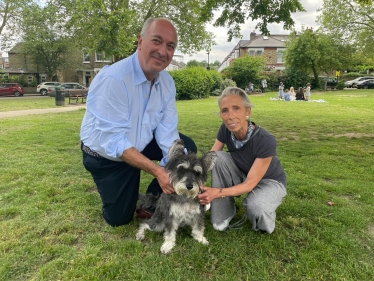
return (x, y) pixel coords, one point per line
(236, 91)
(148, 23)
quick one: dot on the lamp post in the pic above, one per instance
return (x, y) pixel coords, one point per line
(208, 62)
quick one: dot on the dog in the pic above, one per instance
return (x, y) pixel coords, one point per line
(187, 173)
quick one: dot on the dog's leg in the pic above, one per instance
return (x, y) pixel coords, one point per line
(198, 234)
(169, 239)
(141, 230)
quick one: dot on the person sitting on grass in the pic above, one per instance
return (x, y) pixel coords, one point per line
(287, 95)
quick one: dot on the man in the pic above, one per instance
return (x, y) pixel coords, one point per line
(264, 84)
(131, 119)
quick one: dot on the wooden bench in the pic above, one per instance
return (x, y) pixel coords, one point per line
(76, 96)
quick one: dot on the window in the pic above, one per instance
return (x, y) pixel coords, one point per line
(86, 57)
(100, 56)
(280, 56)
(255, 53)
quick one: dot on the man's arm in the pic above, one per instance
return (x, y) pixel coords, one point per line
(138, 160)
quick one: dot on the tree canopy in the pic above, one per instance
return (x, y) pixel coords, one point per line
(236, 12)
(351, 21)
(317, 53)
(112, 26)
(45, 41)
(11, 12)
(245, 69)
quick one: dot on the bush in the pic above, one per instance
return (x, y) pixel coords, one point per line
(224, 84)
(192, 83)
(340, 85)
(217, 80)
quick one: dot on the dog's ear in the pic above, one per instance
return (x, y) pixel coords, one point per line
(209, 159)
(177, 148)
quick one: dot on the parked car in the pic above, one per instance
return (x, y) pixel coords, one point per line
(42, 88)
(332, 82)
(10, 89)
(353, 83)
(69, 87)
(366, 84)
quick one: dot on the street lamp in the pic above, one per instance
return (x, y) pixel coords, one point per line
(208, 62)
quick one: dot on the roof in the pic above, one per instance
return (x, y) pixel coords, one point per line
(262, 41)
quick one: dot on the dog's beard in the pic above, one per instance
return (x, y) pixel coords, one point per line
(181, 189)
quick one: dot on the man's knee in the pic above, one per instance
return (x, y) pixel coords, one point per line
(113, 219)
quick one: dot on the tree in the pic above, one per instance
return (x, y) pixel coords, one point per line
(235, 12)
(10, 15)
(112, 26)
(245, 69)
(44, 39)
(351, 21)
(315, 53)
(193, 63)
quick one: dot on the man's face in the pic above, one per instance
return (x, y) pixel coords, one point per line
(156, 50)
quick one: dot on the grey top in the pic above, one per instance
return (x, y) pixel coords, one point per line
(261, 145)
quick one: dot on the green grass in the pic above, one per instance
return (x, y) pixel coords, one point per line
(50, 213)
(27, 102)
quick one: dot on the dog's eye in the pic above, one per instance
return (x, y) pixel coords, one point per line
(198, 170)
(183, 165)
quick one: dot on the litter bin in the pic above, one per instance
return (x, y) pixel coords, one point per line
(60, 95)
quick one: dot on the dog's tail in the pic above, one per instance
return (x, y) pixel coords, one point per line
(148, 201)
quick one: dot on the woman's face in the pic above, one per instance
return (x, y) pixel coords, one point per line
(233, 114)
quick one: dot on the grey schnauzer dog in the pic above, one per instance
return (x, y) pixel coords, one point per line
(187, 173)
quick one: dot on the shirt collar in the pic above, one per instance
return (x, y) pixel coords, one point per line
(139, 76)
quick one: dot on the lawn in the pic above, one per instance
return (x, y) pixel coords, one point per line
(50, 213)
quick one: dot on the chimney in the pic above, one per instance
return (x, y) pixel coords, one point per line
(252, 36)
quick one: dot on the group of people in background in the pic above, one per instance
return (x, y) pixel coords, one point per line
(290, 94)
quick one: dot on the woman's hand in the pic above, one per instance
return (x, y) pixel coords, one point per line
(207, 195)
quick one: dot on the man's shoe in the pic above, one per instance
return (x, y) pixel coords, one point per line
(143, 214)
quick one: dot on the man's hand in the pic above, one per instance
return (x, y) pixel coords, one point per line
(164, 181)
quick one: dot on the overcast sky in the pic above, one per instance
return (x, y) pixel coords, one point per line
(223, 48)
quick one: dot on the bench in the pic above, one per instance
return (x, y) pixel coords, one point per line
(76, 96)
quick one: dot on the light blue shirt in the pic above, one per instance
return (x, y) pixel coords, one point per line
(122, 112)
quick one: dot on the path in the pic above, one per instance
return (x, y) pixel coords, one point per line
(15, 113)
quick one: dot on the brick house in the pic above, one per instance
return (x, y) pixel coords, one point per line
(82, 66)
(271, 47)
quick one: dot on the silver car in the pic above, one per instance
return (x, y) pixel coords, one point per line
(353, 83)
(69, 88)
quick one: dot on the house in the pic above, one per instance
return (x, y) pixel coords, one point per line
(4, 62)
(271, 47)
(82, 66)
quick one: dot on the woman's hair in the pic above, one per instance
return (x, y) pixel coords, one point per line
(301, 90)
(292, 89)
(236, 91)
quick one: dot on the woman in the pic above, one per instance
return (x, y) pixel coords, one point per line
(249, 167)
(300, 94)
(307, 92)
(292, 93)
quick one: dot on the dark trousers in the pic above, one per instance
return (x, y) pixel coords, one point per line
(118, 182)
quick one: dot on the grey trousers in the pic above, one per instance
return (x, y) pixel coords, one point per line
(261, 203)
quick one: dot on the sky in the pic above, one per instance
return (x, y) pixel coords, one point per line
(223, 48)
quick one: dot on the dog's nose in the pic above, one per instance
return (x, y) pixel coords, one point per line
(189, 186)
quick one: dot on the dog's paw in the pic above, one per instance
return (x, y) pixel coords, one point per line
(166, 247)
(140, 234)
(204, 241)
(207, 207)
